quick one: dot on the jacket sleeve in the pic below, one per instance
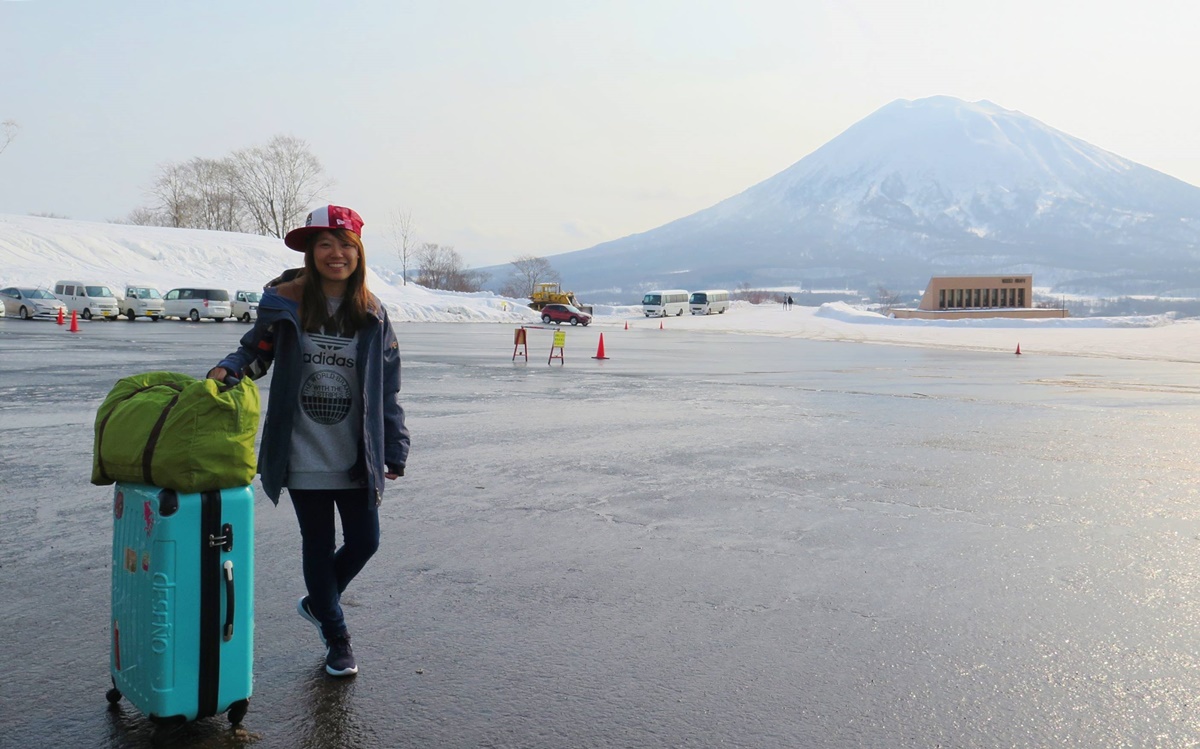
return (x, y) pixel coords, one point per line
(255, 352)
(395, 433)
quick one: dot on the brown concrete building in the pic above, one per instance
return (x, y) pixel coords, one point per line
(968, 297)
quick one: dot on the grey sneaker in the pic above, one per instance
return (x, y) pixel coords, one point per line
(339, 658)
(307, 613)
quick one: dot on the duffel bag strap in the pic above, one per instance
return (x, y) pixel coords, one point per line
(152, 439)
(100, 432)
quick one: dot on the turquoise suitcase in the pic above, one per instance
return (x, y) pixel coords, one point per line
(182, 601)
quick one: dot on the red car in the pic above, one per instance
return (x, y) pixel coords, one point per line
(561, 313)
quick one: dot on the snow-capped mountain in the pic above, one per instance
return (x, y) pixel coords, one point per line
(933, 186)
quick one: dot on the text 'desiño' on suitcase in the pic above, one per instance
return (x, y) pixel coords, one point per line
(183, 601)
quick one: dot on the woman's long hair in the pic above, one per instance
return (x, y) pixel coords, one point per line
(358, 304)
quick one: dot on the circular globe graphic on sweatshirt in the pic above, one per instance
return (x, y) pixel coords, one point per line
(325, 398)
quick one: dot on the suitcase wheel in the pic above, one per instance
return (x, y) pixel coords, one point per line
(237, 711)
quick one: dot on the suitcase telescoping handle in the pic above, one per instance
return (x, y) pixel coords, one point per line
(228, 631)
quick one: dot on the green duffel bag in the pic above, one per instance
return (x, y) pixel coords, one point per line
(171, 430)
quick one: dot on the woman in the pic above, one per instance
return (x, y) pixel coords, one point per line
(334, 428)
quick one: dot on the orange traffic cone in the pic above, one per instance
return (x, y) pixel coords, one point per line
(1018, 349)
(660, 325)
(600, 349)
(60, 316)
(627, 325)
(74, 322)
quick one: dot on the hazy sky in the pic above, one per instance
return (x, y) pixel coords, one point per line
(522, 126)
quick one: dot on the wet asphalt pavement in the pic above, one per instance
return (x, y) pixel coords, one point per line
(705, 541)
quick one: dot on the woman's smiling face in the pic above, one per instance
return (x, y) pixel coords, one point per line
(336, 259)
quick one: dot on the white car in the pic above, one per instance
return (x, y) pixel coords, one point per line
(31, 304)
(142, 301)
(195, 304)
(245, 305)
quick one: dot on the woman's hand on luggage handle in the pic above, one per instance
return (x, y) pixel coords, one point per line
(223, 376)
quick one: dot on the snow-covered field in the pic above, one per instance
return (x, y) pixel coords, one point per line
(39, 251)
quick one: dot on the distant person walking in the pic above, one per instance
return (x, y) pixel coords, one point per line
(334, 429)
(789, 301)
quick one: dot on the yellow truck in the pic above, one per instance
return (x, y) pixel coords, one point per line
(552, 293)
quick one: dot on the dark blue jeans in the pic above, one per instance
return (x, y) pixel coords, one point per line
(327, 569)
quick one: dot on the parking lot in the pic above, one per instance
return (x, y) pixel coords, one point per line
(704, 540)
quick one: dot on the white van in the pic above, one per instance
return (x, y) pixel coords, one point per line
(245, 305)
(142, 301)
(88, 299)
(665, 302)
(194, 303)
(711, 301)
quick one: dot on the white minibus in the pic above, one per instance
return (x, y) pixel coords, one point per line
(665, 302)
(712, 301)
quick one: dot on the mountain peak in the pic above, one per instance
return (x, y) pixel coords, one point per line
(959, 145)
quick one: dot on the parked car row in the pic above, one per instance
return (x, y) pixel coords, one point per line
(95, 300)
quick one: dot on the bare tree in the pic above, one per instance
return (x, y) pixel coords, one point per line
(143, 216)
(471, 280)
(8, 133)
(441, 267)
(886, 299)
(214, 192)
(403, 238)
(437, 265)
(173, 195)
(278, 183)
(745, 292)
(198, 194)
(527, 272)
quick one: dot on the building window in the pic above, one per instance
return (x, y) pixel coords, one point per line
(1020, 297)
(941, 299)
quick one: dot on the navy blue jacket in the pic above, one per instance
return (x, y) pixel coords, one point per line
(275, 337)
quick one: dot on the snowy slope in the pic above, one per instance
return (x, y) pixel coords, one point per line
(39, 251)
